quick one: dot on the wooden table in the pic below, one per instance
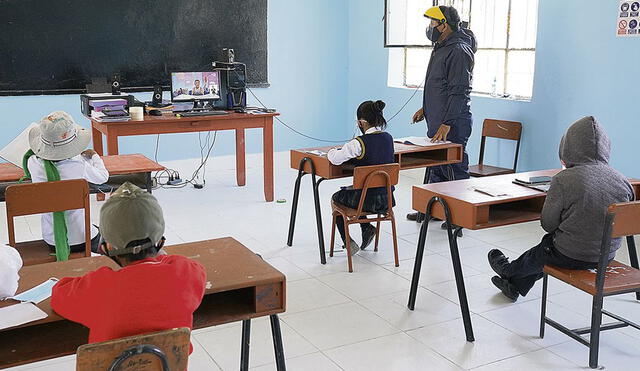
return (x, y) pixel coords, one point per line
(120, 167)
(240, 286)
(462, 207)
(169, 123)
(408, 156)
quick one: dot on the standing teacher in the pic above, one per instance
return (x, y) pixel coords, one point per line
(447, 88)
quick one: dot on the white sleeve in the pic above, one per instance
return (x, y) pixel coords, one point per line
(348, 151)
(94, 170)
(10, 264)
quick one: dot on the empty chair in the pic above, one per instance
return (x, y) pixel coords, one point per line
(509, 130)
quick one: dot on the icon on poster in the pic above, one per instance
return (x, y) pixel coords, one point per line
(622, 24)
(633, 24)
(635, 6)
(624, 7)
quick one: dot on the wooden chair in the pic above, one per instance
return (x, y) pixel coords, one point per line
(45, 197)
(613, 279)
(164, 350)
(500, 129)
(365, 177)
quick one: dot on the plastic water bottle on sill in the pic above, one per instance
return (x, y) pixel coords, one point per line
(494, 87)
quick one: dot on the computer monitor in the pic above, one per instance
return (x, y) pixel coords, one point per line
(195, 86)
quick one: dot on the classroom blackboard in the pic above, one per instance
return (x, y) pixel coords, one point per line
(57, 46)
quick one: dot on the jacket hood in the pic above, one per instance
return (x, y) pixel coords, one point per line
(584, 143)
(462, 36)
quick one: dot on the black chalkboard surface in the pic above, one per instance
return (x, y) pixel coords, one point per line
(57, 46)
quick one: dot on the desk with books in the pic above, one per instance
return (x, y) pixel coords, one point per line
(314, 161)
(459, 204)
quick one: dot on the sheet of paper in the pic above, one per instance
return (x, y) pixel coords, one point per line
(490, 191)
(15, 150)
(18, 314)
(38, 293)
(418, 141)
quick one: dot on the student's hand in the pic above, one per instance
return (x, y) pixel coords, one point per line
(441, 134)
(88, 153)
(418, 116)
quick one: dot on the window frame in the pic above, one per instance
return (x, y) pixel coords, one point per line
(507, 49)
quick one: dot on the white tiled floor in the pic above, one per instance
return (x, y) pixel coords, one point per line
(359, 321)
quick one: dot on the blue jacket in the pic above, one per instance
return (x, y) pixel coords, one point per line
(447, 86)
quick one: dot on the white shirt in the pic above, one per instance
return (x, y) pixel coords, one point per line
(10, 264)
(350, 150)
(77, 167)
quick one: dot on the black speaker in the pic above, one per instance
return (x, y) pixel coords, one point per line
(115, 84)
(156, 101)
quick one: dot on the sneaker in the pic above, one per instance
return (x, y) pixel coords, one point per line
(507, 288)
(413, 217)
(367, 236)
(353, 247)
(498, 262)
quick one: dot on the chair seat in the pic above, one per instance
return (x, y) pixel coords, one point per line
(347, 211)
(37, 252)
(619, 278)
(487, 170)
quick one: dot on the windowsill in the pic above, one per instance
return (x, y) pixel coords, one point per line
(473, 94)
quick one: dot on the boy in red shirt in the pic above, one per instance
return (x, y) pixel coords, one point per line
(151, 292)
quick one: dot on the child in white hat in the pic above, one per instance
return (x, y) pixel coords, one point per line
(58, 153)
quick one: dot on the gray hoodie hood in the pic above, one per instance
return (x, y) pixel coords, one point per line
(585, 143)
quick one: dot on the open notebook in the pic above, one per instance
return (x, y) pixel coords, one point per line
(15, 150)
(418, 141)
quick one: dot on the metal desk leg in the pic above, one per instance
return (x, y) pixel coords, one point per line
(427, 178)
(633, 256)
(278, 348)
(244, 347)
(455, 259)
(316, 199)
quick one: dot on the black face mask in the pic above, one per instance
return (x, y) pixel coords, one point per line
(433, 33)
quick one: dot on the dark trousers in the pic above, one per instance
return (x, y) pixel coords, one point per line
(527, 269)
(373, 203)
(95, 242)
(460, 171)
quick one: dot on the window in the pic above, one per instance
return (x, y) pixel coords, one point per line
(506, 35)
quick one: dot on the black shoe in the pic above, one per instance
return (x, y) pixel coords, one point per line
(367, 237)
(353, 247)
(498, 262)
(413, 217)
(453, 227)
(507, 288)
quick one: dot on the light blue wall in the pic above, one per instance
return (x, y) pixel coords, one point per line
(581, 69)
(306, 39)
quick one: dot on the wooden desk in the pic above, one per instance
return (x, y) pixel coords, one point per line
(408, 156)
(120, 168)
(458, 203)
(240, 286)
(169, 123)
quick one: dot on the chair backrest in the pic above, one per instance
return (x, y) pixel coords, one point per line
(501, 129)
(46, 197)
(374, 176)
(148, 352)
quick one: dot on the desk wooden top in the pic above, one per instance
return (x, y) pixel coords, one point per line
(115, 164)
(474, 210)
(229, 266)
(169, 117)
(407, 155)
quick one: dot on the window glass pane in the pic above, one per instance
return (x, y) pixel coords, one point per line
(416, 61)
(489, 22)
(524, 24)
(406, 23)
(520, 73)
(489, 67)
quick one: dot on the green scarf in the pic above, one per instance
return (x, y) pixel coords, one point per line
(59, 222)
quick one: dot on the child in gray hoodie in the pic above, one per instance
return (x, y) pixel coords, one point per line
(573, 214)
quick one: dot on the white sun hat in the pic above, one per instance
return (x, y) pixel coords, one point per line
(58, 137)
